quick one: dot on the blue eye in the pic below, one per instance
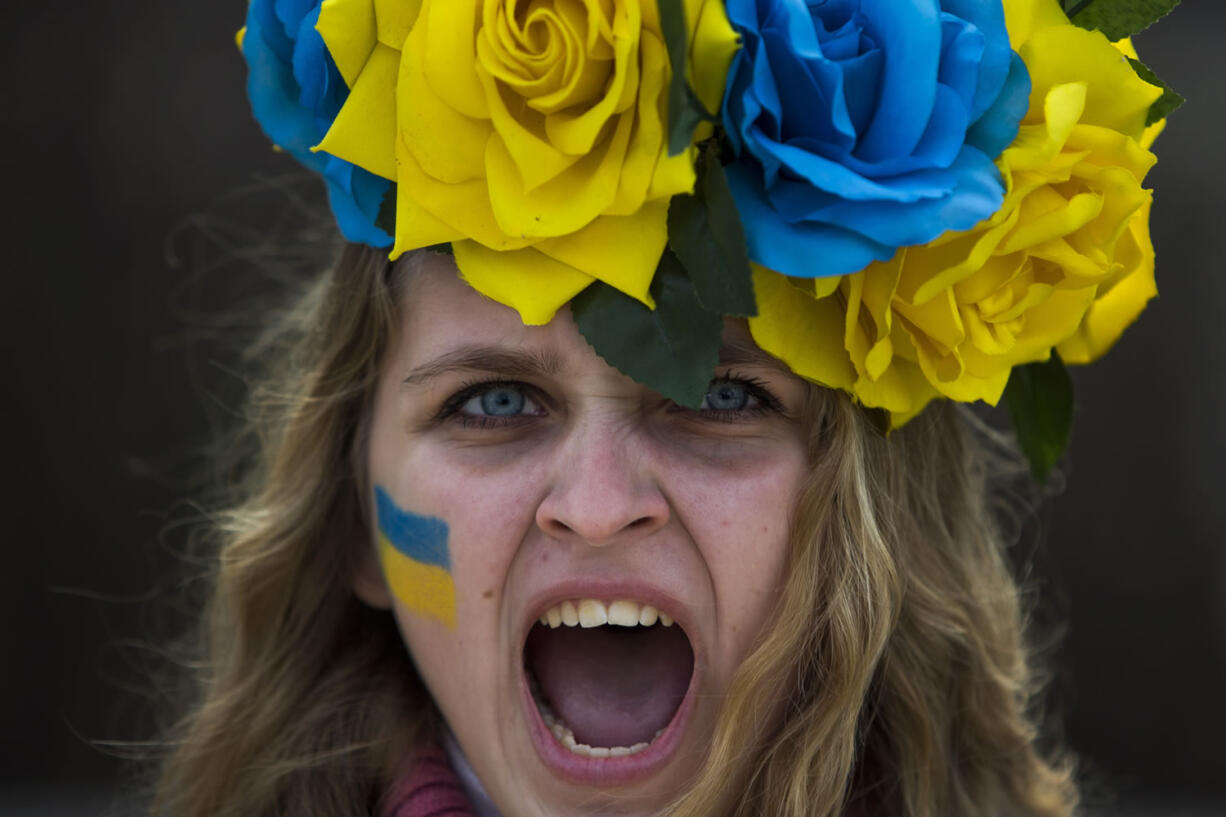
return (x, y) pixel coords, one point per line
(728, 395)
(502, 401)
(498, 400)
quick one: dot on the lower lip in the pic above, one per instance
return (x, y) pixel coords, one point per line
(607, 771)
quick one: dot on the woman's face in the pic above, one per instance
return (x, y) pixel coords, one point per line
(577, 565)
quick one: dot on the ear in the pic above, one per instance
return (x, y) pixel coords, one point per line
(366, 574)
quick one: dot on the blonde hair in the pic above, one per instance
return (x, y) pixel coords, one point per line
(898, 641)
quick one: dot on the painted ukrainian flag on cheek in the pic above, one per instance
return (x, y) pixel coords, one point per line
(416, 561)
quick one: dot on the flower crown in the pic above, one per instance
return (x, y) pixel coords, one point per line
(905, 198)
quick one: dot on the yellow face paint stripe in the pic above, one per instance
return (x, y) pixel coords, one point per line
(422, 588)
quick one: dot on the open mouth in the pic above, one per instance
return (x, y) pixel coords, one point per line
(607, 678)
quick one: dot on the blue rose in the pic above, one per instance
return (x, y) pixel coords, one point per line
(862, 126)
(296, 91)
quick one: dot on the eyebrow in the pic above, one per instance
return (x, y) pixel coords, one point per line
(523, 363)
(509, 362)
(741, 353)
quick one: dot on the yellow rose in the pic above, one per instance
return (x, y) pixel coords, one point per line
(530, 135)
(1066, 263)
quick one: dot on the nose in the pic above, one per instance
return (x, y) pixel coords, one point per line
(604, 489)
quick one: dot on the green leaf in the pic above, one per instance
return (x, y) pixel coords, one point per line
(705, 232)
(386, 220)
(1167, 104)
(1040, 400)
(685, 110)
(1118, 18)
(672, 349)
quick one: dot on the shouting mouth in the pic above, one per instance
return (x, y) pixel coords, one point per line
(610, 681)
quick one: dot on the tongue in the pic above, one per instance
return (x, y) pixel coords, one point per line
(613, 686)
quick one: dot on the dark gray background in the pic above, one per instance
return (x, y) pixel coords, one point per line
(123, 120)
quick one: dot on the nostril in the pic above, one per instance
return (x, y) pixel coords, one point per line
(601, 517)
(558, 528)
(598, 534)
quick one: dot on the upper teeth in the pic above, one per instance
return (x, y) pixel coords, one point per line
(593, 613)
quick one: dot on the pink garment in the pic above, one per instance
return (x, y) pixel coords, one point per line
(430, 789)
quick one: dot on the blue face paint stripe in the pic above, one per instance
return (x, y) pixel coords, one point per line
(421, 538)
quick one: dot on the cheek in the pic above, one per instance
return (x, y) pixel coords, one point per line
(415, 553)
(486, 514)
(741, 523)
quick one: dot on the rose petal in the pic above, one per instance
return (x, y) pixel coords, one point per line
(272, 89)
(523, 136)
(712, 47)
(321, 87)
(803, 330)
(443, 38)
(464, 207)
(997, 62)
(965, 195)
(621, 251)
(349, 29)
(417, 227)
(355, 197)
(563, 204)
(908, 79)
(526, 280)
(1120, 300)
(994, 131)
(364, 132)
(804, 250)
(431, 119)
(576, 133)
(1116, 97)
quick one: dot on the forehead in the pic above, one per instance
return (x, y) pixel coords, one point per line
(441, 314)
(438, 311)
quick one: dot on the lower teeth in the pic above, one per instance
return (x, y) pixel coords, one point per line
(566, 736)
